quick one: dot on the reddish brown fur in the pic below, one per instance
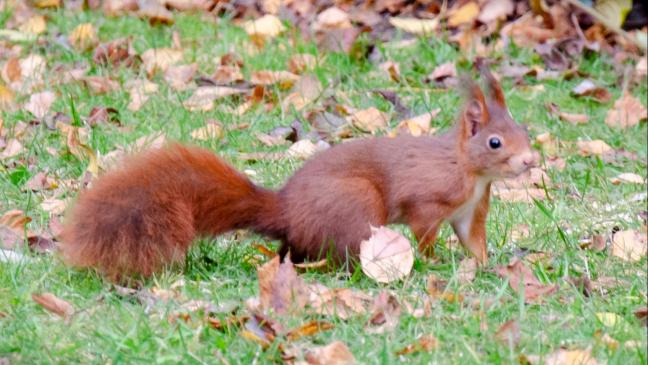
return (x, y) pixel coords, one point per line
(145, 215)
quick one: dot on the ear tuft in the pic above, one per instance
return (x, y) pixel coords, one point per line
(494, 88)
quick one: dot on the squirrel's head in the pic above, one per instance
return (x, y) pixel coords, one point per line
(494, 144)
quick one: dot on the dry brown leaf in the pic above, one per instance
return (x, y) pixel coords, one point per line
(100, 85)
(308, 329)
(369, 120)
(442, 72)
(466, 14)
(40, 181)
(467, 270)
(567, 117)
(228, 74)
(267, 26)
(179, 77)
(522, 280)
(211, 131)
(155, 12)
(437, 289)
(160, 59)
(40, 103)
(12, 149)
(628, 177)
(414, 25)
(595, 147)
(54, 304)
(10, 238)
(340, 302)
(335, 353)
(54, 206)
(299, 63)
(627, 111)
(117, 52)
(509, 332)
(7, 99)
(139, 91)
(83, 37)
(332, 18)
(285, 79)
(302, 149)
(425, 343)
(418, 125)
(203, 98)
(391, 69)
(34, 25)
(570, 357)
(496, 10)
(385, 314)
(629, 245)
(386, 256)
(588, 88)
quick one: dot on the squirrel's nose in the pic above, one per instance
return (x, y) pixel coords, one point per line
(531, 159)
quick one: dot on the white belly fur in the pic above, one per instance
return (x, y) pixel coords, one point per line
(462, 217)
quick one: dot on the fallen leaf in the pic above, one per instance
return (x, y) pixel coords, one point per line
(100, 85)
(496, 10)
(211, 131)
(160, 59)
(570, 357)
(522, 281)
(629, 178)
(116, 53)
(267, 26)
(179, 77)
(442, 72)
(386, 256)
(385, 314)
(595, 147)
(567, 117)
(34, 25)
(302, 149)
(12, 149)
(155, 12)
(308, 329)
(54, 304)
(464, 15)
(261, 329)
(83, 37)
(369, 120)
(285, 79)
(611, 343)
(203, 97)
(332, 18)
(10, 238)
(418, 125)
(299, 63)
(339, 302)
(627, 111)
(629, 245)
(139, 91)
(40, 103)
(588, 88)
(99, 115)
(335, 353)
(414, 25)
(437, 289)
(424, 343)
(227, 74)
(53, 206)
(391, 69)
(509, 333)
(641, 314)
(608, 319)
(466, 271)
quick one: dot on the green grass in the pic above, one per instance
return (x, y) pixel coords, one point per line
(111, 329)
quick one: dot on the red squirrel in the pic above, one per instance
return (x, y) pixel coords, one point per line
(144, 215)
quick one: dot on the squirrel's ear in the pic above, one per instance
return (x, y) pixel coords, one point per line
(494, 88)
(475, 113)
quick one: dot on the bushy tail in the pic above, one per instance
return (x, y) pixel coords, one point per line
(144, 215)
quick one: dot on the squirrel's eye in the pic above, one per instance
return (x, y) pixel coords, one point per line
(494, 143)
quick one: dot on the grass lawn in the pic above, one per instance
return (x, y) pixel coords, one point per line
(108, 328)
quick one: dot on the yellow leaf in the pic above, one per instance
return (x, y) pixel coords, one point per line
(267, 26)
(608, 319)
(465, 14)
(414, 25)
(83, 37)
